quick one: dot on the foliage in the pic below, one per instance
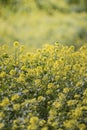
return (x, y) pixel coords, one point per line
(45, 90)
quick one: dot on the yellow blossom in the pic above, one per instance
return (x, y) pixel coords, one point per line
(25, 91)
(55, 124)
(5, 102)
(85, 92)
(32, 127)
(82, 126)
(3, 74)
(77, 113)
(52, 112)
(66, 90)
(50, 85)
(16, 106)
(71, 102)
(16, 44)
(40, 98)
(14, 97)
(69, 124)
(34, 120)
(42, 122)
(49, 91)
(57, 104)
(21, 78)
(44, 128)
(12, 72)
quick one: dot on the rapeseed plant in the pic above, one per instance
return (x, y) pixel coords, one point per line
(45, 90)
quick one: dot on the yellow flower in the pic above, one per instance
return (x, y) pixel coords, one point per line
(4, 102)
(44, 128)
(79, 83)
(71, 102)
(15, 121)
(37, 82)
(23, 68)
(77, 96)
(69, 124)
(52, 112)
(85, 92)
(54, 124)
(84, 101)
(14, 97)
(3, 74)
(84, 108)
(42, 122)
(16, 107)
(61, 97)
(25, 91)
(12, 72)
(16, 44)
(33, 100)
(49, 91)
(66, 90)
(50, 85)
(77, 113)
(21, 78)
(32, 127)
(57, 104)
(40, 98)
(28, 54)
(34, 120)
(81, 126)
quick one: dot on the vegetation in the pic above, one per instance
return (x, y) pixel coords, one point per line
(45, 94)
(43, 88)
(36, 22)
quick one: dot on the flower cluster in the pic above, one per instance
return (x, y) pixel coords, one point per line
(44, 90)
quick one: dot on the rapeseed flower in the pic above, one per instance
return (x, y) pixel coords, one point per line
(16, 44)
(12, 72)
(16, 106)
(70, 124)
(41, 98)
(3, 74)
(14, 97)
(5, 102)
(34, 120)
(82, 126)
(57, 104)
(44, 128)
(42, 122)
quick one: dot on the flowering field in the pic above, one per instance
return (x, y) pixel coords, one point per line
(36, 22)
(44, 90)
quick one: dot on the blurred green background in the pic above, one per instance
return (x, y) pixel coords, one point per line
(38, 22)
